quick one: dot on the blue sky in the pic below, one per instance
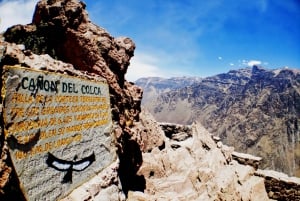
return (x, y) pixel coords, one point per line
(199, 38)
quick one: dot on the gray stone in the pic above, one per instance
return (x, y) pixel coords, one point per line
(58, 129)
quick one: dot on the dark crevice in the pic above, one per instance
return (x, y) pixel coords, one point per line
(130, 162)
(11, 190)
(151, 174)
(162, 146)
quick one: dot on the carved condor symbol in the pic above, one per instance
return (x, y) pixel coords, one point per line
(69, 166)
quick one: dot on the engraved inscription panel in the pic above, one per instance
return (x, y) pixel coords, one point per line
(57, 128)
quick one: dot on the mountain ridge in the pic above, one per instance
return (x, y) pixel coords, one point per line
(247, 108)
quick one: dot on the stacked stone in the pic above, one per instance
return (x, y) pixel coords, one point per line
(279, 186)
(246, 159)
(176, 132)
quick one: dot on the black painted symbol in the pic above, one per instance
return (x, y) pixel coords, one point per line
(69, 166)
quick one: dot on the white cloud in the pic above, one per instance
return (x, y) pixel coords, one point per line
(143, 65)
(231, 64)
(220, 58)
(14, 12)
(250, 63)
(157, 64)
(253, 63)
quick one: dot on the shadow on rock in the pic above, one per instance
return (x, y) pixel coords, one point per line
(130, 162)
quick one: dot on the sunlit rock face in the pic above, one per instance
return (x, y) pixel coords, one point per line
(255, 110)
(192, 166)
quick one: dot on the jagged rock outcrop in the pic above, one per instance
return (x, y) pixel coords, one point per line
(255, 110)
(195, 165)
(191, 166)
(61, 38)
(63, 30)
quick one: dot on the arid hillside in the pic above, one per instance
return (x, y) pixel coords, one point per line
(255, 110)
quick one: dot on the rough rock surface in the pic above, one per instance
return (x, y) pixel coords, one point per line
(105, 186)
(192, 167)
(8, 180)
(62, 39)
(187, 164)
(279, 186)
(255, 110)
(63, 30)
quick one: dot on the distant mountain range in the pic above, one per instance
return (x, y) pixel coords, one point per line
(253, 109)
(153, 86)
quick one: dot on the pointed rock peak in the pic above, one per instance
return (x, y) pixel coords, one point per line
(63, 13)
(257, 69)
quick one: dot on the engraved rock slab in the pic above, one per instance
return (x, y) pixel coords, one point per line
(57, 128)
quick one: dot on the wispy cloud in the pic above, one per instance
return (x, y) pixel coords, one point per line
(16, 12)
(251, 63)
(195, 36)
(151, 65)
(190, 37)
(144, 66)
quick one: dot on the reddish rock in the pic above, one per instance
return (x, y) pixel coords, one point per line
(61, 38)
(63, 30)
